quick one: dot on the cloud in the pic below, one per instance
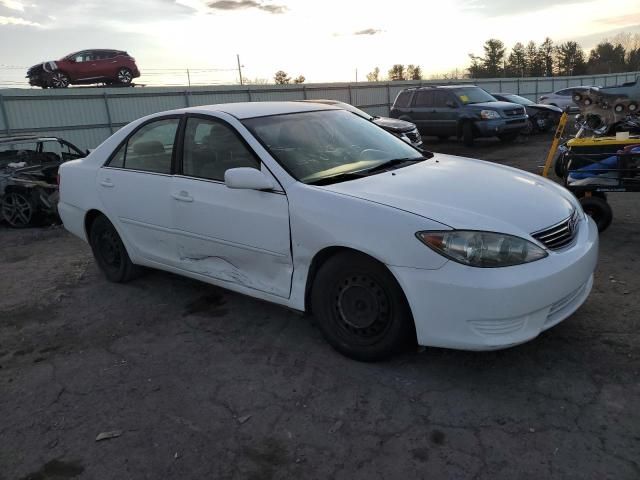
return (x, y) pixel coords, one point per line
(368, 31)
(12, 5)
(246, 4)
(17, 21)
(499, 8)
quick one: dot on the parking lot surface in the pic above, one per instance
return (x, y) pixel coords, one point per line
(192, 381)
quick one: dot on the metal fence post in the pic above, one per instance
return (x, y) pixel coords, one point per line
(388, 98)
(518, 86)
(108, 110)
(5, 117)
(304, 92)
(249, 93)
(187, 101)
(350, 95)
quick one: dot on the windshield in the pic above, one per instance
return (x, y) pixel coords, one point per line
(517, 99)
(473, 95)
(318, 145)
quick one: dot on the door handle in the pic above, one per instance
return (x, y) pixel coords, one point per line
(107, 183)
(182, 196)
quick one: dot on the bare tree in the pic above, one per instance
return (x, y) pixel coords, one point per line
(414, 72)
(397, 72)
(374, 75)
(281, 77)
(299, 79)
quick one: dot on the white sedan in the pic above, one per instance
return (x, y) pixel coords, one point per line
(315, 208)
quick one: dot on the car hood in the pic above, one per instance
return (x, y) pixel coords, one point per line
(463, 193)
(393, 124)
(495, 105)
(541, 106)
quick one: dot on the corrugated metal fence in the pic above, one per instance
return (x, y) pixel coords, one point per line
(87, 116)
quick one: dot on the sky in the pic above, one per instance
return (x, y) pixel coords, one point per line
(322, 40)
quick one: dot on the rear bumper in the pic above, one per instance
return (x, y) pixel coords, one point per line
(485, 309)
(490, 128)
(73, 219)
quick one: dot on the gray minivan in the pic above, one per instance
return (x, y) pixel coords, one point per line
(464, 111)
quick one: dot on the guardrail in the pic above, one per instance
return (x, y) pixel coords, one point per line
(86, 116)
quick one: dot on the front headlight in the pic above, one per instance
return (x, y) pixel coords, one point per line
(482, 249)
(489, 114)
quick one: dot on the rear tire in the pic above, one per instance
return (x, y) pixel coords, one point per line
(467, 134)
(598, 209)
(110, 253)
(360, 308)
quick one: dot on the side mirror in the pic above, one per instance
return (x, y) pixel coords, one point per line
(451, 104)
(247, 178)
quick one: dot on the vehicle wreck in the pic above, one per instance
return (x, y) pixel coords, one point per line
(607, 110)
(28, 177)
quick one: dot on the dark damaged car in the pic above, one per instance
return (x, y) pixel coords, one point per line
(541, 117)
(407, 131)
(28, 177)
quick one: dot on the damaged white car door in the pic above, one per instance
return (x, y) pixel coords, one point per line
(134, 186)
(241, 234)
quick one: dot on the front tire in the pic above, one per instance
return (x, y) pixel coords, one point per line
(598, 209)
(360, 308)
(467, 134)
(110, 253)
(59, 80)
(18, 210)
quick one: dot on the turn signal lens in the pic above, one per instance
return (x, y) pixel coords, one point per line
(482, 249)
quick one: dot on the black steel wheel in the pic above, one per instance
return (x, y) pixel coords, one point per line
(124, 76)
(360, 308)
(18, 210)
(529, 127)
(59, 80)
(598, 209)
(109, 251)
(560, 165)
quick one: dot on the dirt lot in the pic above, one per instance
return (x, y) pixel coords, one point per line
(203, 383)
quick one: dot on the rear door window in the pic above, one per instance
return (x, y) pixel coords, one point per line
(423, 98)
(440, 98)
(149, 149)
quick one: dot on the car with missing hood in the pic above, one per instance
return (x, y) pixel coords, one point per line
(28, 177)
(407, 131)
(314, 208)
(111, 67)
(541, 117)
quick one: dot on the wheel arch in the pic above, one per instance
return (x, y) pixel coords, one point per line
(322, 256)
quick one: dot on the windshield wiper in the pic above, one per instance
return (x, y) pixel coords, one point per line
(340, 177)
(396, 162)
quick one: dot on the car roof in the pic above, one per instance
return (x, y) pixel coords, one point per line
(261, 109)
(26, 139)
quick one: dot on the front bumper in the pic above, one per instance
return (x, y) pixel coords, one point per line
(485, 309)
(490, 128)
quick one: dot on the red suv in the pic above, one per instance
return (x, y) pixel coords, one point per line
(85, 67)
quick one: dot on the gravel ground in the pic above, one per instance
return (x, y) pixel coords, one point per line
(197, 382)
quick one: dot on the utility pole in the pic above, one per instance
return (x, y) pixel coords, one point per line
(239, 68)
(356, 75)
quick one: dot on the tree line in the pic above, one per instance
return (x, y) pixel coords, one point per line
(547, 59)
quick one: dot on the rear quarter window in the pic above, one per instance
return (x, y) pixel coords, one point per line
(402, 100)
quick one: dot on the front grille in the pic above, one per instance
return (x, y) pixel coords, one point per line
(560, 235)
(513, 112)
